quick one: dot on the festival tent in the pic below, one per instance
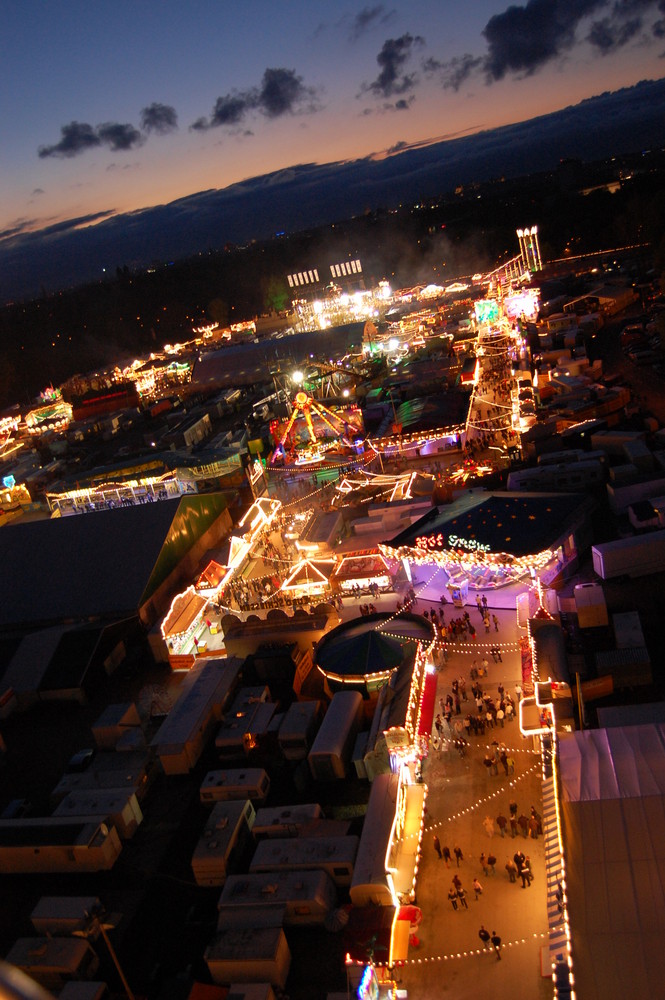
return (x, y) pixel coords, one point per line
(613, 822)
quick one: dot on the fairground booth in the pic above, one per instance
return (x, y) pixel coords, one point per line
(363, 572)
(486, 540)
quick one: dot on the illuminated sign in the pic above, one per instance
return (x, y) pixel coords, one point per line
(8, 482)
(453, 542)
(486, 310)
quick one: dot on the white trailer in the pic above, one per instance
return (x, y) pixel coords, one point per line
(235, 783)
(285, 821)
(249, 955)
(225, 837)
(51, 844)
(118, 807)
(334, 855)
(191, 722)
(298, 729)
(636, 556)
(61, 916)
(331, 751)
(298, 898)
(52, 962)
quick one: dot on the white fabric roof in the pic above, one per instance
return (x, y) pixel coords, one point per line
(613, 818)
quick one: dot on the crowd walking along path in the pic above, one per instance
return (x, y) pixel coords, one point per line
(466, 805)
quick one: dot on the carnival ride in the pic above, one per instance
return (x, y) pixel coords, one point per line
(309, 444)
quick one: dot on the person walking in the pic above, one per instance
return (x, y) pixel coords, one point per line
(446, 855)
(484, 936)
(491, 861)
(511, 868)
(483, 863)
(477, 888)
(452, 896)
(496, 623)
(461, 895)
(523, 824)
(502, 823)
(457, 882)
(488, 823)
(496, 944)
(437, 846)
(458, 854)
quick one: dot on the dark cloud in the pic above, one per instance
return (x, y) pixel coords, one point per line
(404, 103)
(78, 223)
(398, 147)
(200, 125)
(368, 18)
(77, 137)
(282, 92)
(159, 118)
(119, 137)
(458, 70)
(37, 191)
(232, 108)
(607, 35)
(22, 226)
(523, 39)
(392, 59)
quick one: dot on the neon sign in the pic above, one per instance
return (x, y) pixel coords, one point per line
(453, 542)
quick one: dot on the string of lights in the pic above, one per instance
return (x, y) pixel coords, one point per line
(470, 953)
(482, 801)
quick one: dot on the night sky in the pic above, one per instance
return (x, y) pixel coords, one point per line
(109, 107)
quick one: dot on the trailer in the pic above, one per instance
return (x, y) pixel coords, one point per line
(249, 955)
(52, 962)
(63, 916)
(183, 735)
(285, 821)
(51, 845)
(331, 751)
(371, 885)
(299, 898)
(250, 713)
(235, 783)
(636, 556)
(334, 855)
(118, 807)
(223, 843)
(298, 729)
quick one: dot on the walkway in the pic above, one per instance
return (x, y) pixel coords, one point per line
(450, 958)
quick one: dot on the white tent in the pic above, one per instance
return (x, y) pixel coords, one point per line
(613, 819)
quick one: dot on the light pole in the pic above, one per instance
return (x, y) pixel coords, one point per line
(96, 924)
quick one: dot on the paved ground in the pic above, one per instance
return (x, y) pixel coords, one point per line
(461, 794)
